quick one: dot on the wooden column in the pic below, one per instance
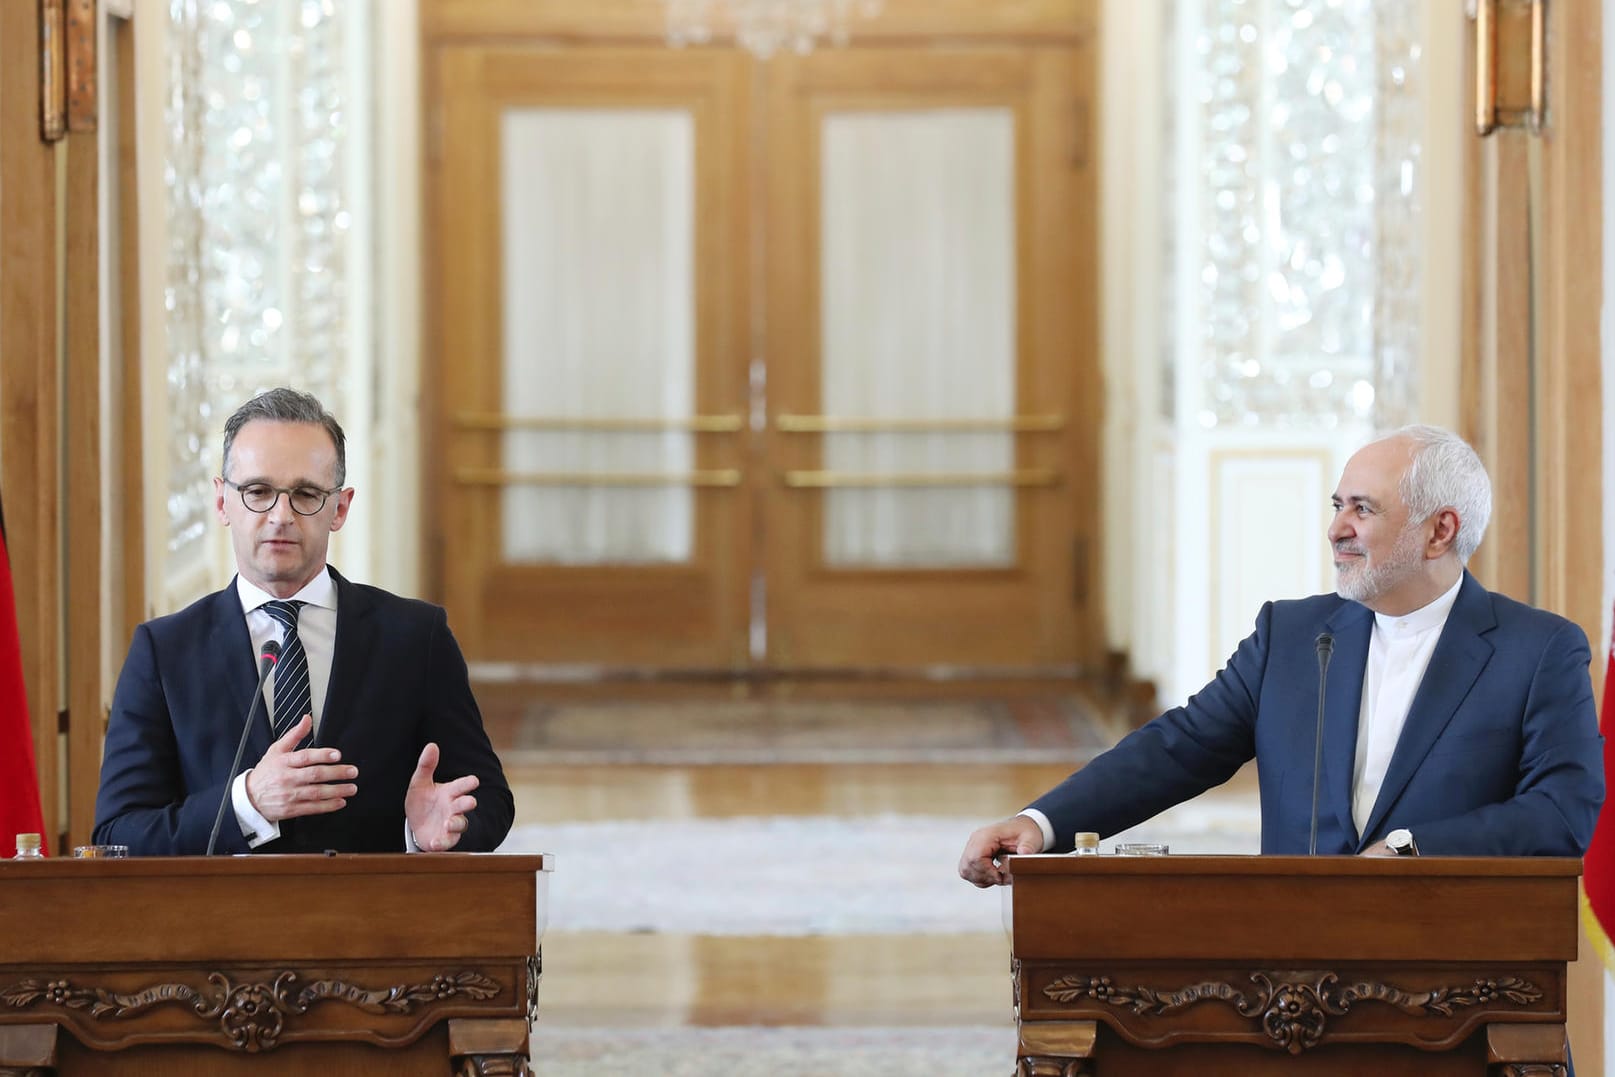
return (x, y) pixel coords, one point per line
(30, 390)
(50, 396)
(1532, 359)
(80, 362)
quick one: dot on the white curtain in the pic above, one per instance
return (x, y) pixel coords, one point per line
(918, 322)
(599, 295)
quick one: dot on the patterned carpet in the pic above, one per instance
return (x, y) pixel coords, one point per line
(777, 1052)
(816, 875)
(782, 875)
(1063, 729)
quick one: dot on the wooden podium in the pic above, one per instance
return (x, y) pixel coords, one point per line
(1255, 966)
(337, 964)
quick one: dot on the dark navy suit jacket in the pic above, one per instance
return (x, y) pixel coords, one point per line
(1500, 755)
(398, 681)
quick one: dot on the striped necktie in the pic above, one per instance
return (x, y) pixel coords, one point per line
(291, 672)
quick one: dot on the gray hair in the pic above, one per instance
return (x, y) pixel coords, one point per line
(1447, 473)
(287, 406)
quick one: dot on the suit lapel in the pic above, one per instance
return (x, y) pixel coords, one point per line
(1351, 626)
(355, 640)
(230, 635)
(1460, 654)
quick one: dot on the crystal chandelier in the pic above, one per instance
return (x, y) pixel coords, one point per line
(763, 27)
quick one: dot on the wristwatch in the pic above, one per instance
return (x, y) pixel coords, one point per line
(1400, 842)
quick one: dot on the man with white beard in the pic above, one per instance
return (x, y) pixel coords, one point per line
(1458, 722)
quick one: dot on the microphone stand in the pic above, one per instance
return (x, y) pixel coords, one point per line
(1326, 647)
(267, 660)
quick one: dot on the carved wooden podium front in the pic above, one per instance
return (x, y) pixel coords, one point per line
(1255, 966)
(403, 965)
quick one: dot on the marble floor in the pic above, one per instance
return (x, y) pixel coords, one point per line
(647, 999)
(637, 983)
(668, 979)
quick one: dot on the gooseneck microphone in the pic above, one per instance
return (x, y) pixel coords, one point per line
(1326, 647)
(266, 662)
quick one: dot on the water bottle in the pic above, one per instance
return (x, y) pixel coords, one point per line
(1087, 844)
(28, 847)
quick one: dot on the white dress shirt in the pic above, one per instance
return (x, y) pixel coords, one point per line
(316, 630)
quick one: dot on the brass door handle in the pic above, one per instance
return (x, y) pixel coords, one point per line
(628, 424)
(860, 424)
(821, 480)
(490, 476)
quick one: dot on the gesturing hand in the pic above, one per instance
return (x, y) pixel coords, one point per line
(985, 849)
(287, 783)
(436, 811)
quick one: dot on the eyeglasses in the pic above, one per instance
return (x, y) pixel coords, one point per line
(261, 497)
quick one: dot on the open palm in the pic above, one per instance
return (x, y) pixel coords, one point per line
(437, 811)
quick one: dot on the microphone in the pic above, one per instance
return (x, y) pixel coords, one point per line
(1326, 647)
(266, 662)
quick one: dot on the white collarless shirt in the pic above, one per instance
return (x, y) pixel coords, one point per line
(316, 630)
(1399, 650)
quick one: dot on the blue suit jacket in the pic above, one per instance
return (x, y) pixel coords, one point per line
(1500, 755)
(398, 681)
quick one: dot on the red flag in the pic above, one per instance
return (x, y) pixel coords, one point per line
(1598, 867)
(19, 781)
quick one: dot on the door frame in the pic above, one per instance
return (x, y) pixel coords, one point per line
(50, 383)
(557, 24)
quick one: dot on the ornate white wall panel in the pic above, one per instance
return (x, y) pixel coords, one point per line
(1288, 272)
(1269, 511)
(264, 106)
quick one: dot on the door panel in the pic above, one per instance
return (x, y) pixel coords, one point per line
(592, 220)
(917, 233)
(596, 310)
(931, 382)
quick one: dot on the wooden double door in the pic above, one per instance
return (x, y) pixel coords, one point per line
(783, 364)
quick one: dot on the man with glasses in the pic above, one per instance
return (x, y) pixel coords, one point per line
(368, 702)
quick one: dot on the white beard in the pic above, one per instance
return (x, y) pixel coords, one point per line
(1368, 581)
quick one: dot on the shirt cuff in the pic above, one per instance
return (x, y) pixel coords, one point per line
(409, 840)
(254, 827)
(1044, 825)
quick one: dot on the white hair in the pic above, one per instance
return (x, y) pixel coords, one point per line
(1447, 473)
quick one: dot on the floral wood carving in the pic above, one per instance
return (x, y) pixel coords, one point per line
(251, 1016)
(492, 1066)
(1294, 1012)
(1053, 1067)
(535, 973)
